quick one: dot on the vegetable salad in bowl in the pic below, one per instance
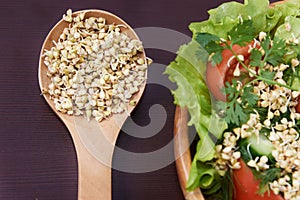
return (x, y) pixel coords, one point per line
(239, 78)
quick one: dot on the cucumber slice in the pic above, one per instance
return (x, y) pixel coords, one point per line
(260, 145)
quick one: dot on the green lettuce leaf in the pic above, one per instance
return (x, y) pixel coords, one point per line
(190, 93)
(188, 72)
(289, 30)
(204, 176)
(223, 18)
(288, 8)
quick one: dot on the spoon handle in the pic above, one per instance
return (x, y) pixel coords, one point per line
(94, 177)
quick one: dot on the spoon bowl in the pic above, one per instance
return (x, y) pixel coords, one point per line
(94, 142)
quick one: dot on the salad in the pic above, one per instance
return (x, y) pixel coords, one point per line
(239, 78)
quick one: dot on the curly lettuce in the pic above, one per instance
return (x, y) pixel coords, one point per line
(189, 66)
(223, 18)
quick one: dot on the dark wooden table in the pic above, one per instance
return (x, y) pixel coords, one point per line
(37, 157)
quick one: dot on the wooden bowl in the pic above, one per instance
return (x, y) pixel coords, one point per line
(181, 150)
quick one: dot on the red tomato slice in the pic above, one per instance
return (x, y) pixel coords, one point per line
(246, 186)
(217, 76)
(298, 106)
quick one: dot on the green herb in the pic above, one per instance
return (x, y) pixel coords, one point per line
(274, 53)
(248, 97)
(237, 111)
(266, 177)
(227, 186)
(226, 190)
(292, 77)
(212, 44)
(245, 152)
(242, 33)
(256, 58)
(267, 75)
(234, 112)
(206, 39)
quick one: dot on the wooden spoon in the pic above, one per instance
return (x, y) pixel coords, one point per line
(94, 142)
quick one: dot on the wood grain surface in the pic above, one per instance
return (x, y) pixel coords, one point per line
(37, 156)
